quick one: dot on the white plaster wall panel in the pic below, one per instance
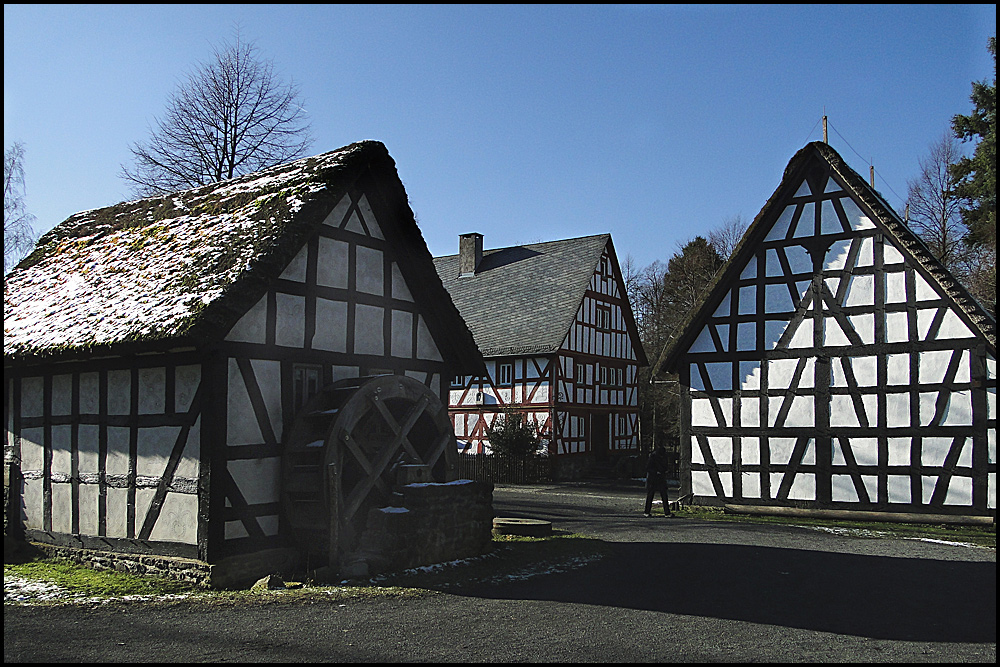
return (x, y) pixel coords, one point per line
(119, 392)
(899, 451)
(89, 502)
(426, 347)
(803, 336)
(898, 489)
(296, 269)
(829, 220)
(186, 382)
(751, 485)
(933, 364)
(897, 369)
(370, 274)
(855, 218)
(842, 489)
(704, 342)
(702, 413)
(331, 326)
(747, 300)
(190, 461)
(927, 485)
(399, 288)
(32, 450)
(342, 372)
(268, 525)
(87, 448)
(991, 404)
(368, 330)
(959, 491)
(750, 412)
(954, 327)
(33, 508)
(62, 508)
(897, 410)
(153, 449)
(336, 216)
(895, 287)
(257, 479)
(268, 374)
(831, 187)
(803, 487)
(836, 256)
(235, 530)
(701, 483)
(804, 190)
(369, 216)
(833, 334)
(965, 454)
(722, 331)
(32, 397)
(117, 462)
(780, 227)
(62, 394)
(290, 320)
(842, 412)
(925, 317)
(958, 411)
(890, 254)
(402, 334)
(924, 291)
(860, 291)
(746, 336)
(116, 517)
(178, 520)
(991, 491)
(726, 479)
(720, 375)
(354, 224)
(62, 443)
(725, 306)
(332, 267)
(750, 270)
(866, 254)
(750, 450)
(722, 450)
(864, 326)
(152, 391)
(780, 451)
(896, 330)
(90, 393)
(252, 327)
(806, 225)
(865, 451)
(801, 413)
(777, 299)
(241, 422)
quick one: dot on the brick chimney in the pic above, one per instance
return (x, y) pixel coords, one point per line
(470, 253)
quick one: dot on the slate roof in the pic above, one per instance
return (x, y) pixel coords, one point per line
(181, 269)
(820, 155)
(523, 299)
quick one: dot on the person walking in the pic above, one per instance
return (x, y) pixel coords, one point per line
(656, 480)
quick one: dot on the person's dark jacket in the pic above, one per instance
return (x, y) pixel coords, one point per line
(656, 468)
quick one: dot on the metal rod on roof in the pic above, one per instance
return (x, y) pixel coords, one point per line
(871, 171)
(825, 140)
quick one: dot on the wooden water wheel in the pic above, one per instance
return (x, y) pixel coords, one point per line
(344, 451)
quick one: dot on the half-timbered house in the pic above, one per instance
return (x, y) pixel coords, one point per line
(556, 329)
(835, 364)
(158, 353)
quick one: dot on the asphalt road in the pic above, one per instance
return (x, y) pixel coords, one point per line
(673, 590)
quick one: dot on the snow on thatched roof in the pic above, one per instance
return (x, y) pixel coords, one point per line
(178, 268)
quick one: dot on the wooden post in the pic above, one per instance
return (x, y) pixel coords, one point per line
(871, 177)
(333, 489)
(825, 140)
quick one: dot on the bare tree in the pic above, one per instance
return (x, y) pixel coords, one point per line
(727, 236)
(232, 116)
(18, 233)
(934, 210)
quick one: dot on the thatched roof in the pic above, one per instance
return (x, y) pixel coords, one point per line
(181, 269)
(819, 155)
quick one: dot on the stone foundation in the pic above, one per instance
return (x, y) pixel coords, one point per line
(433, 523)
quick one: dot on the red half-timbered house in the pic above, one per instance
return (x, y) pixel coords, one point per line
(556, 329)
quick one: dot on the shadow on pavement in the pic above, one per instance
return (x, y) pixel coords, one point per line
(878, 597)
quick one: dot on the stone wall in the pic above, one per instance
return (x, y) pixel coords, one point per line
(433, 523)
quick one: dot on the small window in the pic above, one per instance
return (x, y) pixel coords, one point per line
(604, 375)
(581, 374)
(605, 267)
(603, 317)
(505, 374)
(458, 381)
(306, 379)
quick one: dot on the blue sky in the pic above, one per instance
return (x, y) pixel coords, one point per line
(524, 123)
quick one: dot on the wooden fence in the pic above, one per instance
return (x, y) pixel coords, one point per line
(504, 470)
